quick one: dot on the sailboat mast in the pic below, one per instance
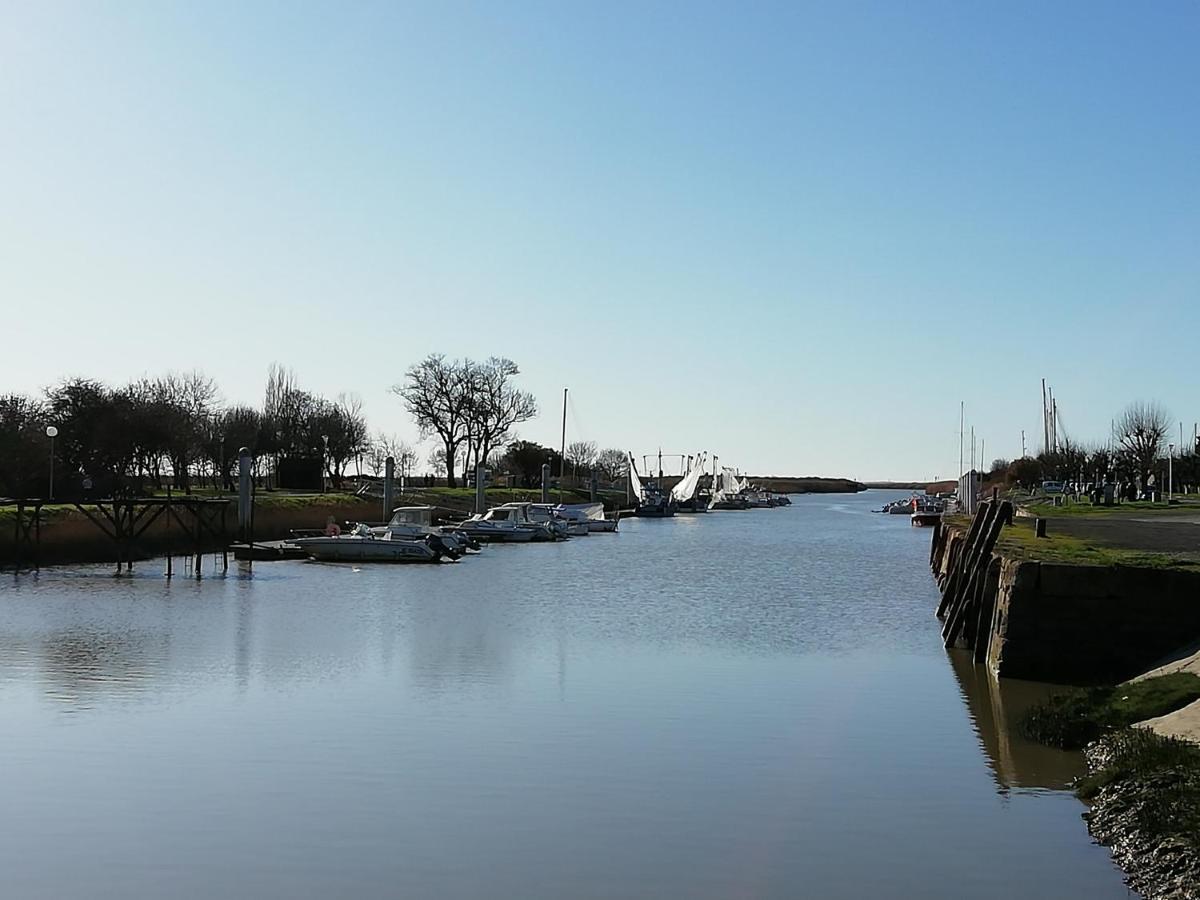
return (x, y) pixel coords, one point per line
(562, 456)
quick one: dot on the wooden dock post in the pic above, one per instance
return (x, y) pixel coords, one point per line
(244, 494)
(389, 487)
(977, 565)
(959, 565)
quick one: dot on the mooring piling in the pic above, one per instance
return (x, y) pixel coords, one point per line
(389, 487)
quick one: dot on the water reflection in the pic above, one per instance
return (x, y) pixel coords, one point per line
(996, 707)
(754, 705)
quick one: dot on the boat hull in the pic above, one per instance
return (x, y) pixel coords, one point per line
(355, 549)
(500, 536)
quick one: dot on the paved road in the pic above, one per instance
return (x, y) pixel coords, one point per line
(1177, 534)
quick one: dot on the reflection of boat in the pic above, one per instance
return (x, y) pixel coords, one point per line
(416, 522)
(508, 523)
(591, 514)
(360, 545)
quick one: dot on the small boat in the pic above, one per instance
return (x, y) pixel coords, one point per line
(508, 523)
(416, 522)
(927, 510)
(360, 545)
(732, 502)
(759, 500)
(592, 514)
(547, 514)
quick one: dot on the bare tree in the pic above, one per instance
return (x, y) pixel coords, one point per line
(497, 405)
(612, 463)
(437, 461)
(581, 455)
(1141, 431)
(386, 445)
(438, 394)
(188, 400)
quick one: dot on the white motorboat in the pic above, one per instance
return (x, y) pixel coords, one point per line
(592, 514)
(562, 526)
(416, 522)
(510, 522)
(360, 545)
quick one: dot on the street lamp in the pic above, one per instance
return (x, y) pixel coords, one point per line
(52, 433)
(1170, 470)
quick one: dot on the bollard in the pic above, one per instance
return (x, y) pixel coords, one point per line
(244, 494)
(545, 482)
(389, 483)
(1039, 528)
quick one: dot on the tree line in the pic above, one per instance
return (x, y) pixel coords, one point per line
(174, 429)
(1135, 453)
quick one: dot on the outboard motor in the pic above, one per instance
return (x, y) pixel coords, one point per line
(444, 549)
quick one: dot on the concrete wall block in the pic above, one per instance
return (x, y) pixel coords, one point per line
(1076, 581)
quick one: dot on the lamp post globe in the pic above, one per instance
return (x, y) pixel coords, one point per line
(52, 433)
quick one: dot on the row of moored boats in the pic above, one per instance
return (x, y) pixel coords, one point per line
(411, 535)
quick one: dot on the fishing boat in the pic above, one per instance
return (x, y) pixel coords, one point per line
(360, 545)
(508, 523)
(416, 522)
(652, 501)
(686, 493)
(729, 490)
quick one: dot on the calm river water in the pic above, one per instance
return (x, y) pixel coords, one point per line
(744, 704)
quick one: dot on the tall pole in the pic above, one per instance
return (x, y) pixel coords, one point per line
(1170, 470)
(961, 414)
(51, 467)
(562, 475)
(972, 448)
(1022, 443)
(1045, 420)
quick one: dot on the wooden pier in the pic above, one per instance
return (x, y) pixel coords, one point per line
(124, 521)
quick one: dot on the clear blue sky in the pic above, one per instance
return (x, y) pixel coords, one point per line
(795, 235)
